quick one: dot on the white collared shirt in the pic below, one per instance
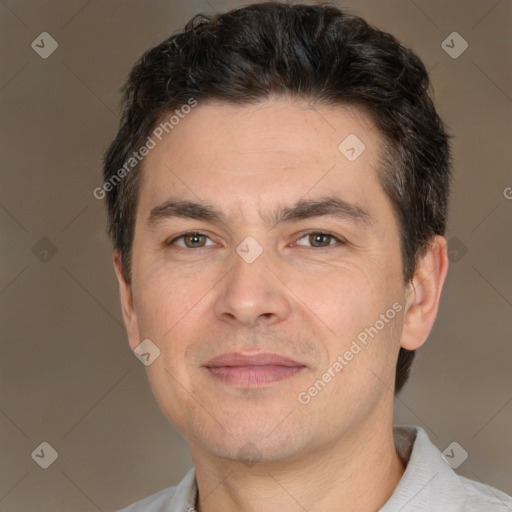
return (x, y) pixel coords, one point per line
(428, 484)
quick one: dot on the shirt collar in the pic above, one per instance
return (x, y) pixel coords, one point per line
(428, 482)
(185, 496)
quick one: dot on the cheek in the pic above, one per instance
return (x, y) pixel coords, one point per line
(347, 304)
(164, 296)
(340, 296)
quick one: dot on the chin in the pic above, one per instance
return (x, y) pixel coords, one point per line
(252, 443)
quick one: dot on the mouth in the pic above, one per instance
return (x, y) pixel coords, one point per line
(252, 371)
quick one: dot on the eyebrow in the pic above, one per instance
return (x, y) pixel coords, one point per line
(302, 209)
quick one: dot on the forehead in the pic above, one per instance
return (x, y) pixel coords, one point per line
(251, 154)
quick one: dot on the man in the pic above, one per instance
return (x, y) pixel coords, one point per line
(277, 198)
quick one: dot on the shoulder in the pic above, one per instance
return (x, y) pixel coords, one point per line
(479, 495)
(429, 483)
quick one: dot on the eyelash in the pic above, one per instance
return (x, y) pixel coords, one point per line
(339, 240)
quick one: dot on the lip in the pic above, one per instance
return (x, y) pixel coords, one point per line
(238, 359)
(252, 371)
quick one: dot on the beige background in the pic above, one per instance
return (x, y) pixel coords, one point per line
(68, 376)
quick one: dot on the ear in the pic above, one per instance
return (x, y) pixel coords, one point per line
(423, 294)
(129, 314)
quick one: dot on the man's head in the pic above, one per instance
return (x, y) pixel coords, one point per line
(291, 125)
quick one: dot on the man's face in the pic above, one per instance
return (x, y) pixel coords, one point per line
(267, 278)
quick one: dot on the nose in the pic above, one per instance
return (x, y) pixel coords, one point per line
(252, 293)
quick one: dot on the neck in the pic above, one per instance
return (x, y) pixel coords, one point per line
(357, 473)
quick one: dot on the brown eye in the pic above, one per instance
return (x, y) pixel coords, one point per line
(194, 240)
(318, 240)
(191, 240)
